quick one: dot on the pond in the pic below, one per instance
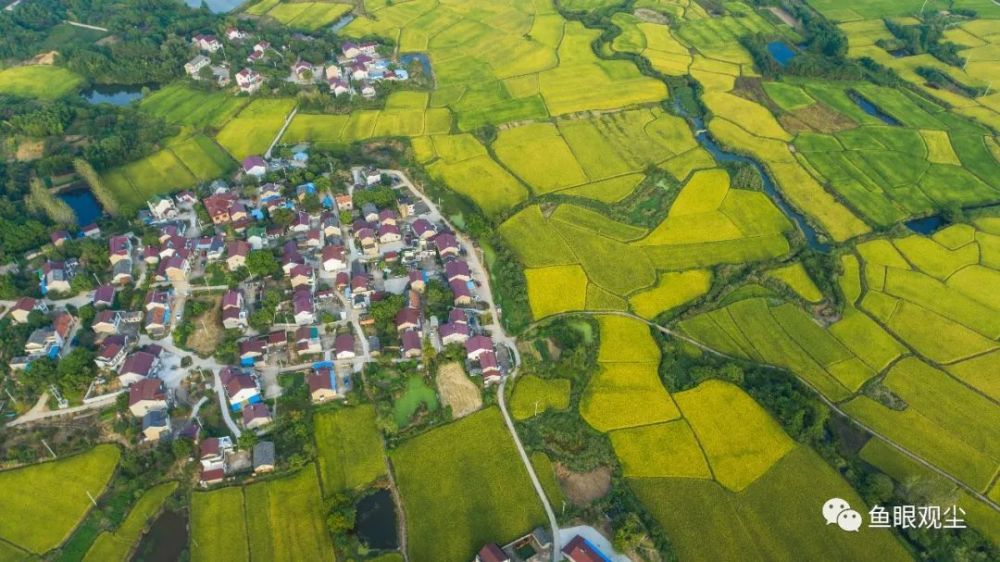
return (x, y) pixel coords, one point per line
(375, 522)
(781, 51)
(114, 94)
(84, 205)
(417, 393)
(770, 188)
(216, 6)
(166, 539)
(927, 225)
(871, 109)
(342, 23)
(406, 58)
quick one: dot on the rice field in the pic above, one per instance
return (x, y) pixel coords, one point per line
(218, 526)
(307, 15)
(673, 289)
(660, 451)
(622, 395)
(349, 448)
(38, 81)
(253, 129)
(556, 289)
(534, 395)
(50, 498)
(181, 105)
(795, 277)
(436, 473)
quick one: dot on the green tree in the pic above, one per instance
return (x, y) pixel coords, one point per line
(262, 263)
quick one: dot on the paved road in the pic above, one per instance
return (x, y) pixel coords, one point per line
(277, 137)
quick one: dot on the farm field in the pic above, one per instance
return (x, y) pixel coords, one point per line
(437, 470)
(251, 131)
(181, 105)
(534, 395)
(38, 81)
(330, 131)
(305, 15)
(218, 526)
(457, 390)
(349, 448)
(111, 547)
(50, 498)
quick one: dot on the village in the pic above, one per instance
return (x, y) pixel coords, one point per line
(333, 265)
(354, 70)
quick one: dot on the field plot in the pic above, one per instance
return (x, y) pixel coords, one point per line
(624, 395)
(50, 498)
(253, 129)
(653, 41)
(796, 278)
(286, 519)
(307, 15)
(457, 390)
(538, 155)
(115, 547)
(482, 180)
(661, 450)
(624, 340)
(774, 517)
(534, 395)
(436, 472)
(38, 81)
(349, 448)
(672, 290)
(182, 105)
(218, 526)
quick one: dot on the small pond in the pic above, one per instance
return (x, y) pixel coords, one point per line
(216, 6)
(871, 109)
(342, 23)
(781, 51)
(114, 94)
(375, 523)
(406, 58)
(927, 225)
(84, 205)
(166, 540)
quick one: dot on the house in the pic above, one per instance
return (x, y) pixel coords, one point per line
(314, 239)
(306, 72)
(157, 322)
(338, 86)
(302, 308)
(331, 225)
(162, 207)
(476, 346)
(453, 333)
(343, 347)
(157, 299)
(365, 236)
(461, 292)
(301, 276)
(107, 322)
(121, 272)
(220, 73)
(91, 231)
(24, 306)
(344, 202)
(369, 48)
(412, 346)
(387, 216)
(252, 349)
(138, 366)
(323, 385)
(580, 549)
(145, 395)
(207, 43)
(492, 553)
(177, 267)
(216, 246)
(254, 166)
(155, 425)
(248, 80)
(234, 312)
(457, 316)
(104, 296)
(349, 49)
(263, 457)
(59, 237)
(186, 197)
(119, 248)
(417, 282)
(447, 245)
(261, 46)
(151, 255)
(457, 270)
(360, 284)
(307, 340)
(55, 277)
(42, 342)
(112, 352)
(389, 233)
(302, 223)
(407, 319)
(240, 387)
(256, 416)
(423, 229)
(367, 90)
(212, 452)
(234, 34)
(489, 368)
(236, 254)
(219, 206)
(334, 258)
(370, 212)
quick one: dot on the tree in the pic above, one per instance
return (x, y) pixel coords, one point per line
(246, 440)
(384, 313)
(262, 263)
(629, 534)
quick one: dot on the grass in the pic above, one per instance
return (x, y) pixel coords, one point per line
(556, 289)
(547, 477)
(467, 474)
(416, 395)
(38, 81)
(661, 450)
(622, 395)
(534, 395)
(253, 129)
(218, 527)
(776, 517)
(349, 448)
(116, 546)
(740, 439)
(671, 291)
(796, 278)
(626, 340)
(286, 519)
(50, 498)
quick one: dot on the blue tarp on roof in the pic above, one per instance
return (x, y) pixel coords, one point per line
(246, 362)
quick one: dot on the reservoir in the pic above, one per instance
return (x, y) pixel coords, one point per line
(781, 52)
(376, 521)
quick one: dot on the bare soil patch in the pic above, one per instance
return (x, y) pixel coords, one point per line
(818, 118)
(44, 58)
(28, 150)
(582, 488)
(207, 328)
(457, 390)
